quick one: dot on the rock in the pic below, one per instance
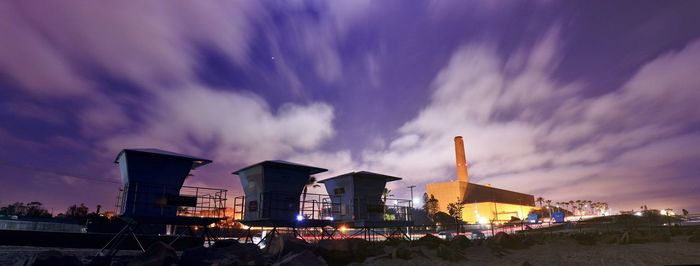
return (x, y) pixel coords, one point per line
(695, 238)
(526, 263)
(403, 252)
(610, 238)
(461, 242)
(336, 252)
(631, 237)
(376, 258)
(52, 258)
(507, 241)
(284, 244)
(362, 249)
(429, 241)
(659, 237)
(157, 254)
(304, 258)
(343, 251)
(395, 242)
(449, 254)
(224, 254)
(586, 239)
(334, 244)
(227, 243)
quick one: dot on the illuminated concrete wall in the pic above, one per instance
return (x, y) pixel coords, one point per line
(490, 210)
(446, 192)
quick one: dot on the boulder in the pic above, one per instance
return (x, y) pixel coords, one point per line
(52, 258)
(507, 241)
(284, 244)
(586, 239)
(395, 242)
(227, 243)
(658, 236)
(304, 258)
(362, 249)
(631, 237)
(156, 254)
(334, 244)
(461, 242)
(429, 241)
(224, 254)
(336, 251)
(447, 253)
(343, 251)
(610, 238)
(403, 252)
(695, 237)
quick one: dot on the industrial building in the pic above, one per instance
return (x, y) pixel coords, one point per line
(481, 203)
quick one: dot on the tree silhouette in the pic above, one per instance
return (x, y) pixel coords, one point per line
(540, 200)
(31, 209)
(455, 210)
(309, 182)
(433, 207)
(77, 211)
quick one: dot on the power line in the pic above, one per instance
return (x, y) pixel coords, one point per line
(35, 169)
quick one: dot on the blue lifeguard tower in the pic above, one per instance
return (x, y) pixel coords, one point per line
(153, 194)
(272, 193)
(360, 202)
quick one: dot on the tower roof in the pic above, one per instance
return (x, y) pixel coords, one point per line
(386, 178)
(312, 170)
(196, 161)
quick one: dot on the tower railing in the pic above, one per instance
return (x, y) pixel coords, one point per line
(138, 198)
(272, 205)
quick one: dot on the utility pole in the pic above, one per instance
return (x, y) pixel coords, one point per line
(410, 212)
(411, 187)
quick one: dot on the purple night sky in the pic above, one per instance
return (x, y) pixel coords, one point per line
(590, 100)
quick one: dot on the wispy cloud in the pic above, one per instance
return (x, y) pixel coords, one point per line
(526, 131)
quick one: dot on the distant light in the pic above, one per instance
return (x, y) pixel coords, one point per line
(663, 212)
(300, 217)
(483, 220)
(343, 228)
(416, 201)
(330, 219)
(638, 213)
(396, 202)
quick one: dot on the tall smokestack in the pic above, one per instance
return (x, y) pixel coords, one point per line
(461, 160)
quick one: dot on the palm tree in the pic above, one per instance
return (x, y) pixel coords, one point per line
(579, 204)
(539, 200)
(590, 206)
(566, 203)
(549, 207)
(310, 182)
(385, 194)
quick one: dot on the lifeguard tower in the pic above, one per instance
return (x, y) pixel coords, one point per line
(152, 193)
(274, 197)
(361, 202)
